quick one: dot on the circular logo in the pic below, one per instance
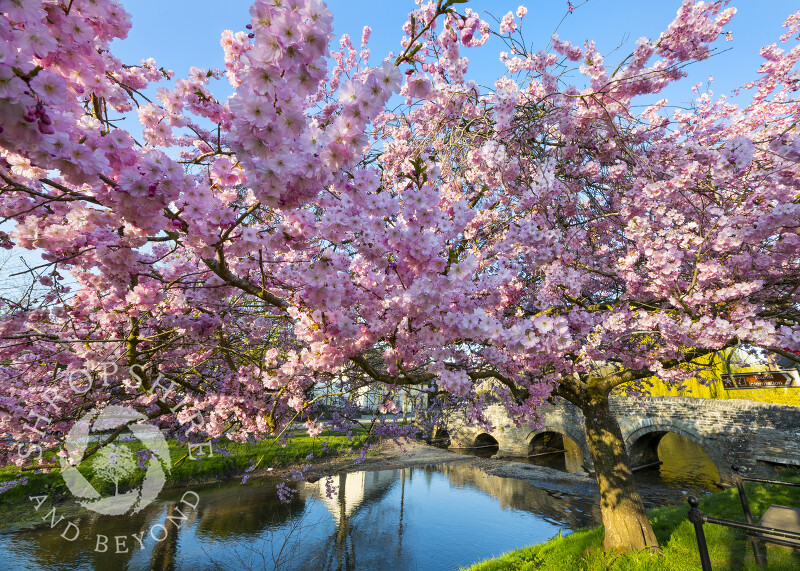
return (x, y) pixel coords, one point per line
(114, 463)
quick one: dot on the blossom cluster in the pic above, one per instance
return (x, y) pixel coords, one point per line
(310, 230)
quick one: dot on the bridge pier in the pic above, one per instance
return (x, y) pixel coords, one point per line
(511, 440)
(756, 436)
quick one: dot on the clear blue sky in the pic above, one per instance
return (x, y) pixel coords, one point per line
(182, 33)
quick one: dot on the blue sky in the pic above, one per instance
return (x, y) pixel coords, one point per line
(182, 33)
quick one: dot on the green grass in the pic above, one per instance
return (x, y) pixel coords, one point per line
(728, 548)
(16, 506)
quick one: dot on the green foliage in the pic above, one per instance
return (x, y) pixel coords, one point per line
(728, 548)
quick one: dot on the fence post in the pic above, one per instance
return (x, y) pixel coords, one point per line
(696, 517)
(760, 558)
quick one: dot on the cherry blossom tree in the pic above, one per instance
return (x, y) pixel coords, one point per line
(497, 246)
(625, 245)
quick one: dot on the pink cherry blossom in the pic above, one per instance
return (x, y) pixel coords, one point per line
(309, 237)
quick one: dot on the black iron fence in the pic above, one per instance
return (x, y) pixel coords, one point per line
(756, 534)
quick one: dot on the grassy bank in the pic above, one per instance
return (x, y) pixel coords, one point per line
(728, 548)
(229, 459)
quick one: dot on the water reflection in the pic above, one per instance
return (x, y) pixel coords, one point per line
(237, 512)
(417, 518)
(556, 451)
(564, 509)
(685, 470)
(438, 517)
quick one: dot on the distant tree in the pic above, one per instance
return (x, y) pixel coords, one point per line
(114, 463)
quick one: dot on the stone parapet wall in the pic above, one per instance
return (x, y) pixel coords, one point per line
(753, 435)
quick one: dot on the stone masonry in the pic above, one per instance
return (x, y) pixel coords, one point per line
(755, 436)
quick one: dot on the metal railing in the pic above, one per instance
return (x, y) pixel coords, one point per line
(756, 534)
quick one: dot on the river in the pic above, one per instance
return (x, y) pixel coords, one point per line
(435, 517)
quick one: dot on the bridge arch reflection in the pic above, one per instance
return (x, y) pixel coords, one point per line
(644, 443)
(561, 450)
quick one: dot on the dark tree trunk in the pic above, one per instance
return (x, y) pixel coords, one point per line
(624, 516)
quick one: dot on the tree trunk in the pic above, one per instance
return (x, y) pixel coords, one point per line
(624, 516)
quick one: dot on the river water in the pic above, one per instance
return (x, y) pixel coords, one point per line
(436, 517)
(686, 470)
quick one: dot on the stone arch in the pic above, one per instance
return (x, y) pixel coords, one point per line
(642, 444)
(579, 440)
(546, 441)
(440, 437)
(485, 445)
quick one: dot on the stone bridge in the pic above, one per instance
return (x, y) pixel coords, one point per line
(756, 436)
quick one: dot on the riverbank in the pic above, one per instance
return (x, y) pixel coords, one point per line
(228, 461)
(728, 548)
(334, 453)
(389, 456)
(328, 454)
